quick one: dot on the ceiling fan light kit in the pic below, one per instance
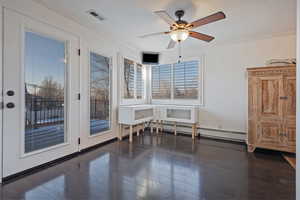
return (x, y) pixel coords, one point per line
(179, 35)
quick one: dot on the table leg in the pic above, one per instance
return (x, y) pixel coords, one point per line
(151, 127)
(130, 133)
(157, 125)
(193, 131)
(120, 132)
(175, 128)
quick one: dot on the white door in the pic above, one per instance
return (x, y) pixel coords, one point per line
(96, 104)
(40, 93)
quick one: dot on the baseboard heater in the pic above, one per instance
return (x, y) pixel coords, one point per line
(208, 132)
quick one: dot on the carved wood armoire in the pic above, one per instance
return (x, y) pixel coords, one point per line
(272, 108)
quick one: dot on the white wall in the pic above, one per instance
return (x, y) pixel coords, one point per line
(225, 81)
(298, 105)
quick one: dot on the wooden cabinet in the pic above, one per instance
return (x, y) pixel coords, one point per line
(272, 108)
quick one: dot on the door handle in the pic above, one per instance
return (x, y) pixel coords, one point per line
(284, 98)
(10, 105)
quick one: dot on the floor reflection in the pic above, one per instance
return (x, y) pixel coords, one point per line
(53, 188)
(161, 167)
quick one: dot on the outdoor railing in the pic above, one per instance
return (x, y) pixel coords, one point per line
(43, 111)
(50, 111)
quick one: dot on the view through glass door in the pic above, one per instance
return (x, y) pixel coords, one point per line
(45, 92)
(100, 120)
(41, 84)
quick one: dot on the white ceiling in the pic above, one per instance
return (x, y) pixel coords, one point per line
(127, 19)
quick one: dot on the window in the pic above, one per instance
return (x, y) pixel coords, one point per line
(99, 93)
(133, 81)
(139, 82)
(161, 81)
(128, 79)
(177, 82)
(186, 80)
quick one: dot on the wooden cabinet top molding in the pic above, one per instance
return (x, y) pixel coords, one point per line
(272, 70)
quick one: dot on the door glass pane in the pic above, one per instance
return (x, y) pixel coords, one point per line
(99, 94)
(45, 68)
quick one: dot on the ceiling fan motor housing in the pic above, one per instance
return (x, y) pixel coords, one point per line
(180, 23)
(179, 14)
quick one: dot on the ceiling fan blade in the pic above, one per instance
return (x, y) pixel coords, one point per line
(154, 34)
(209, 19)
(165, 16)
(201, 36)
(171, 44)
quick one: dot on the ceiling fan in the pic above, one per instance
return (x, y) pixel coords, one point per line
(181, 30)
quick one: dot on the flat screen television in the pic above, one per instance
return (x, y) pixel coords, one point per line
(150, 58)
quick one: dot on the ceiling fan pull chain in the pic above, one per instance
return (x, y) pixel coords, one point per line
(179, 52)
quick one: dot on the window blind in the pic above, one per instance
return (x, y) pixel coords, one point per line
(139, 82)
(186, 80)
(161, 81)
(128, 79)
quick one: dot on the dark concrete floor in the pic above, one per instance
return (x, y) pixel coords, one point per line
(161, 167)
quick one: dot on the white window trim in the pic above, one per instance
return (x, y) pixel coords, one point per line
(133, 100)
(196, 102)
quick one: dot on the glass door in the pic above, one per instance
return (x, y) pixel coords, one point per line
(40, 84)
(97, 101)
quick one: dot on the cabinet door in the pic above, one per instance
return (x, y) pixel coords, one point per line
(289, 99)
(270, 107)
(269, 134)
(289, 132)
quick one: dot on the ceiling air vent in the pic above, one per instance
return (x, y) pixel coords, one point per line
(95, 14)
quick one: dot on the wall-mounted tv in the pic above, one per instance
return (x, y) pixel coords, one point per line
(150, 58)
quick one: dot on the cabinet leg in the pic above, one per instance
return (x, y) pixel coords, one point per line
(251, 148)
(130, 133)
